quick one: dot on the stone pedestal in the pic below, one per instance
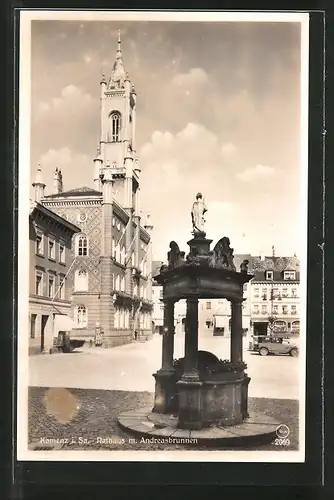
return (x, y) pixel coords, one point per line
(164, 398)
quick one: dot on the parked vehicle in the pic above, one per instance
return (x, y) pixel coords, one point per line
(274, 344)
(62, 325)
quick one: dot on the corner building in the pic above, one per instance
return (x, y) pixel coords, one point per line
(111, 272)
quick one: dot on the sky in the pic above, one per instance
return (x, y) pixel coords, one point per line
(218, 111)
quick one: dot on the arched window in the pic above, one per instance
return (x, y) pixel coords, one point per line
(123, 284)
(118, 253)
(81, 280)
(81, 245)
(123, 255)
(81, 317)
(113, 251)
(115, 126)
(117, 283)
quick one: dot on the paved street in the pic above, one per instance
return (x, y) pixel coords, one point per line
(130, 368)
(105, 382)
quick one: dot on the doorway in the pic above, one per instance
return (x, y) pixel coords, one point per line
(43, 324)
(260, 328)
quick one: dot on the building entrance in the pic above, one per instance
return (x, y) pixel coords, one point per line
(260, 328)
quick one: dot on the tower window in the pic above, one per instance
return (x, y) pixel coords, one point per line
(115, 127)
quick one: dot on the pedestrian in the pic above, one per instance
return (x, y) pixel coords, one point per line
(90, 343)
(136, 335)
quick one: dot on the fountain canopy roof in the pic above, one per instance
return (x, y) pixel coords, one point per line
(203, 273)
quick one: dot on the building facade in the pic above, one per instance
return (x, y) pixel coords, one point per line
(50, 239)
(271, 300)
(275, 294)
(111, 272)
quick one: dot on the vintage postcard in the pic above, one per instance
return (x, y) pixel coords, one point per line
(162, 236)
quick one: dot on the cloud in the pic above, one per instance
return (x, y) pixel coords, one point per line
(70, 163)
(258, 172)
(195, 76)
(228, 149)
(71, 99)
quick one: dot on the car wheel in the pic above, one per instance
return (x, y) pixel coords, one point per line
(264, 351)
(294, 353)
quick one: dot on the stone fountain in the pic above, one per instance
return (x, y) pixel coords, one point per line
(201, 396)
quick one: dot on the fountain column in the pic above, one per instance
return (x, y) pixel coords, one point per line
(164, 400)
(236, 330)
(190, 385)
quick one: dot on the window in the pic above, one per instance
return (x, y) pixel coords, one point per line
(62, 287)
(161, 294)
(51, 286)
(118, 226)
(256, 309)
(285, 309)
(275, 292)
(294, 292)
(123, 284)
(115, 125)
(113, 221)
(145, 269)
(135, 289)
(293, 309)
(39, 283)
(256, 293)
(208, 305)
(33, 326)
(82, 246)
(81, 280)
(161, 307)
(51, 251)
(123, 256)
(113, 250)
(39, 244)
(269, 275)
(116, 318)
(117, 283)
(118, 254)
(275, 309)
(289, 275)
(142, 246)
(264, 309)
(81, 317)
(62, 253)
(141, 291)
(133, 259)
(285, 292)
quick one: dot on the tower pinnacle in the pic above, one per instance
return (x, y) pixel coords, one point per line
(118, 74)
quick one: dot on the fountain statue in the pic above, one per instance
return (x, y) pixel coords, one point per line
(197, 215)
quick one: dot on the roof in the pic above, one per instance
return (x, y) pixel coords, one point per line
(41, 209)
(81, 191)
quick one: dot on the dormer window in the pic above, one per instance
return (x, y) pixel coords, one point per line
(289, 275)
(269, 275)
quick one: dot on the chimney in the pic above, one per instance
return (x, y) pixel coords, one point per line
(58, 181)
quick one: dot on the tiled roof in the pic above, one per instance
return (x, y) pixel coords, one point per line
(82, 191)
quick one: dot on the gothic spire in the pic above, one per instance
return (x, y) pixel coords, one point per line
(118, 74)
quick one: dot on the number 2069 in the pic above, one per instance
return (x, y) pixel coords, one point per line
(282, 442)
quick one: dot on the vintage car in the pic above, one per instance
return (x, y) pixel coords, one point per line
(274, 344)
